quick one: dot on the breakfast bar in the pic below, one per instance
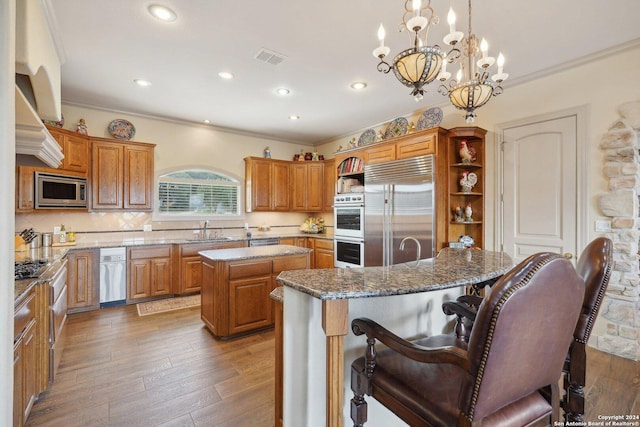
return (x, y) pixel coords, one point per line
(320, 304)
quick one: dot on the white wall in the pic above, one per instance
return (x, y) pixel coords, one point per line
(601, 85)
(7, 182)
(178, 144)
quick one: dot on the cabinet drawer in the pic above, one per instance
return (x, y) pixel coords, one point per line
(415, 148)
(290, 263)
(324, 244)
(150, 252)
(192, 249)
(253, 269)
(23, 314)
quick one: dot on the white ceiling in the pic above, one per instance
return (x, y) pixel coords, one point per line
(327, 45)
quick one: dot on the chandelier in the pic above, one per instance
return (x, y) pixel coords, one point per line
(472, 87)
(420, 64)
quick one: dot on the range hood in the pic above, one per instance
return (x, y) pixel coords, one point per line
(32, 138)
(39, 55)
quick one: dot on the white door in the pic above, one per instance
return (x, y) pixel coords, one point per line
(540, 191)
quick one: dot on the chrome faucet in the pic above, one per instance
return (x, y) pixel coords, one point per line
(203, 230)
(419, 248)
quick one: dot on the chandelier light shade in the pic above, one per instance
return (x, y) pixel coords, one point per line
(472, 87)
(419, 65)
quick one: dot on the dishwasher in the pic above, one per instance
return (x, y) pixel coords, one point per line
(113, 276)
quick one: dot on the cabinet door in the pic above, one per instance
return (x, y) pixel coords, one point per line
(82, 283)
(107, 175)
(299, 180)
(208, 298)
(29, 358)
(258, 184)
(160, 276)
(138, 178)
(329, 184)
(280, 190)
(25, 197)
(249, 304)
(416, 147)
(380, 154)
(191, 274)
(139, 272)
(323, 259)
(76, 153)
(18, 384)
(314, 187)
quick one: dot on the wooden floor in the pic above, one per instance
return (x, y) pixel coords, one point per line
(166, 369)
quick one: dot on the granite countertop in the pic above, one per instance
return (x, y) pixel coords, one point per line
(253, 252)
(52, 255)
(451, 268)
(277, 294)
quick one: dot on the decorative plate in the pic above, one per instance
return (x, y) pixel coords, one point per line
(396, 127)
(430, 118)
(57, 124)
(367, 137)
(122, 129)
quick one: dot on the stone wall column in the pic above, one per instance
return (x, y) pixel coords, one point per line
(621, 306)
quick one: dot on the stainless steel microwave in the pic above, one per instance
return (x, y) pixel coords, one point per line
(53, 191)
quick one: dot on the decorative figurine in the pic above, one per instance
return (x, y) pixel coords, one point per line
(468, 213)
(467, 181)
(467, 153)
(411, 128)
(301, 156)
(352, 143)
(314, 155)
(267, 153)
(380, 136)
(458, 212)
(82, 128)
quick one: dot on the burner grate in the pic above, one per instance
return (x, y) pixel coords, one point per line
(29, 269)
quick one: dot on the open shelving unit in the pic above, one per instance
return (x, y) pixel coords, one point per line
(475, 139)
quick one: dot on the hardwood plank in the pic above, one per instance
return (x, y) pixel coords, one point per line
(168, 370)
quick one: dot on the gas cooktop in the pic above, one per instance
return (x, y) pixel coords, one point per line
(30, 269)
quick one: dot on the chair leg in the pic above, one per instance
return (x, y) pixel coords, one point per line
(576, 381)
(555, 403)
(358, 410)
(575, 407)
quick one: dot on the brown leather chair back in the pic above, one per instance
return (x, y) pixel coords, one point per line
(522, 333)
(594, 266)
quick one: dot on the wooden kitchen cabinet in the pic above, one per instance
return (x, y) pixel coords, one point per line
(191, 264)
(235, 293)
(75, 148)
(267, 185)
(329, 186)
(380, 154)
(449, 193)
(25, 190)
(83, 280)
(25, 358)
(149, 271)
(122, 175)
(322, 253)
(308, 193)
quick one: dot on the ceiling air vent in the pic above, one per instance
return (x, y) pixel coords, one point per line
(270, 57)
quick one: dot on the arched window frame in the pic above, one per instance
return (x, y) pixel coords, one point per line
(197, 213)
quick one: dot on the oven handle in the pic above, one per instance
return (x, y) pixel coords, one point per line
(348, 239)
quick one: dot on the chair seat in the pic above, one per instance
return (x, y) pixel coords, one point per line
(400, 379)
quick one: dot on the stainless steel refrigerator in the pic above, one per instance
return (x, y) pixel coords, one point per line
(399, 203)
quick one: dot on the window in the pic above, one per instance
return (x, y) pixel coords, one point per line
(194, 193)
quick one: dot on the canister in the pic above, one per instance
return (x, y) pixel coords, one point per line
(35, 243)
(47, 239)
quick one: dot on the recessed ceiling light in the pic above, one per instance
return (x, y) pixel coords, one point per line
(283, 91)
(207, 121)
(225, 75)
(294, 117)
(358, 85)
(162, 13)
(142, 82)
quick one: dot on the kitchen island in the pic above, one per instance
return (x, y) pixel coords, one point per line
(319, 306)
(236, 284)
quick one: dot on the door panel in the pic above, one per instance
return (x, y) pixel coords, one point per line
(540, 188)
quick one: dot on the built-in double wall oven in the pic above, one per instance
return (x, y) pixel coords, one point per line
(348, 220)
